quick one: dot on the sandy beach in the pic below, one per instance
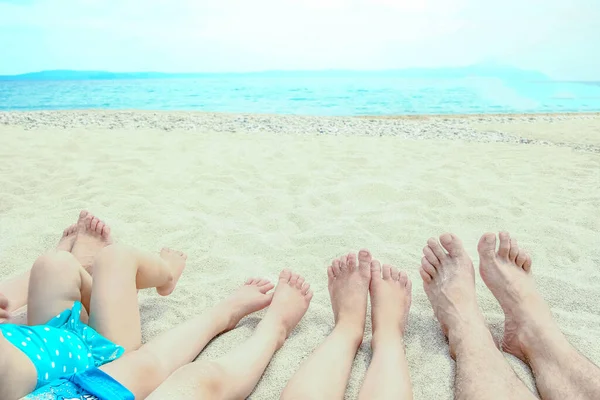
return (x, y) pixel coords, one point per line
(247, 195)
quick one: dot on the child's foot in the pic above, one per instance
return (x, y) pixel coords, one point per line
(92, 236)
(176, 260)
(348, 288)
(390, 302)
(247, 299)
(68, 239)
(290, 302)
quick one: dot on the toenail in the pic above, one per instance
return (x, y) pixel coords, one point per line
(489, 239)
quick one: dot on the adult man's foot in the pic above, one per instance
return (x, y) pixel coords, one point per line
(391, 294)
(290, 301)
(92, 236)
(68, 238)
(449, 281)
(176, 261)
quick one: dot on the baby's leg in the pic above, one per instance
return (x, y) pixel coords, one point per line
(143, 370)
(118, 273)
(57, 280)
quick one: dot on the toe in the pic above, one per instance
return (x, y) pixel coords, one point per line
(352, 264)
(402, 278)
(433, 260)
(504, 248)
(99, 227)
(309, 295)
(364, 259)
(514, 250)
(387, 271)
(425, 276)
(521, 258)
(527, 264)
(343, 263)
(285, 275)
(300, 282)
(336, 267)
(426, 265)
(106, 232)
(452, 244)
(375, 270)
(262, 282)
(330, 275)
(250, 281)
(434, 245)
(487, 246)
(83, 214)
(293, 279)
(305, 288)
(394, 272)
(265, 288)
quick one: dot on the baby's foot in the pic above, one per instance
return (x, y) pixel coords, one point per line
(349, 288)
(176, 261)
(68, 239)
(449, 281)
(507, 273)
(290, 302)
(390, 303)
(92, 236)
(247, 299)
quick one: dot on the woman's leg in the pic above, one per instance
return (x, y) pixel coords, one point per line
(387, 376)
(143, 370)
(326, 372)
(235, 375)
(118, 274)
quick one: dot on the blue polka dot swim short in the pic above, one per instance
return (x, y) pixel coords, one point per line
(63, 346)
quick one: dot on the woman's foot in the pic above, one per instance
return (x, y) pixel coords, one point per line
(290, 301)
(348, 288)
(449, 281)
(507, 273)
(176, 261)
(391, 294)
(92, 236)
(68, 239)
(249, 298)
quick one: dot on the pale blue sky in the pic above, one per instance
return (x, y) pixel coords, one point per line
(559, 38)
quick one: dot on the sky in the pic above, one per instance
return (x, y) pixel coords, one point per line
(557, 37)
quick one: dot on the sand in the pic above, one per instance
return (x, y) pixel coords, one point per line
(251, 199)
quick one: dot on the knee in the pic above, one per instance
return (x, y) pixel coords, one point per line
(114, 256)
(209, 379)
(55, 262)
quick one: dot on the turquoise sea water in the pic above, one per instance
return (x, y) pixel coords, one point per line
(325, 95)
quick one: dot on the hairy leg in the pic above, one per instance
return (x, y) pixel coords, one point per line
(530, 331)
(235, 375)
(325, 374)
(449, 281)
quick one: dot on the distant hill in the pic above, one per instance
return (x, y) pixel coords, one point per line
(482, 71)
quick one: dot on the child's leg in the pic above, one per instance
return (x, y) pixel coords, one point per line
(57, 280)
(118, 273)
(143, 370)
(235, 375)
(16, 288)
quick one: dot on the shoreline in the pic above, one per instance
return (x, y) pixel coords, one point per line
(579, 131)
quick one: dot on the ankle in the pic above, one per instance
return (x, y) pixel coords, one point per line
(275, 327)
(352, 331)
(387, 339)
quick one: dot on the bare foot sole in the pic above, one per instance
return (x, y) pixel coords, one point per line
(176, 261)
(391, 295)
(251, 297)
(507, 273)
(68, 238)
(449, 282)
(92, 236)
(290, 301)
(348, 283)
